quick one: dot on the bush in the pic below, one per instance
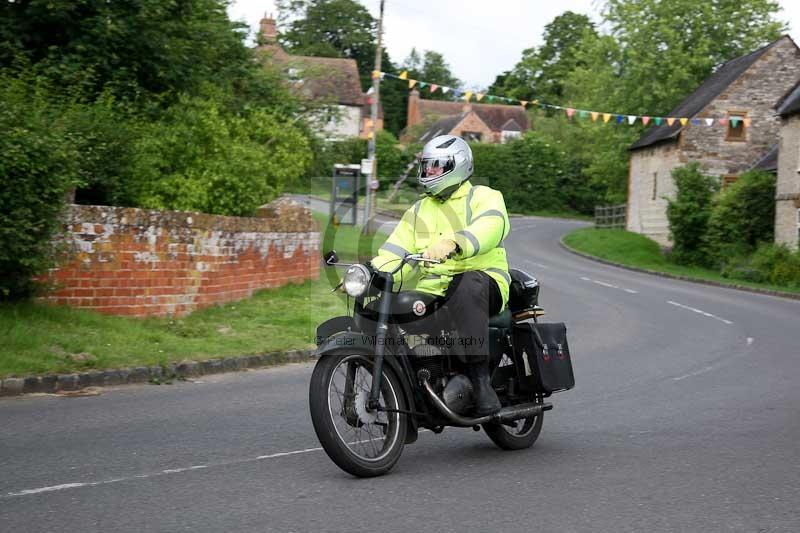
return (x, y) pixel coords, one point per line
(742, 217)
(688, 214)
(533, 174)
(770, 263)
(200, 158)
(39, 165)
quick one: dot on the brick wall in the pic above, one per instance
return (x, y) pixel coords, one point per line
(134, 262)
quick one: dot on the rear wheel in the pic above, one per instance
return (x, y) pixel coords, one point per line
(516, 435)
(362, 442)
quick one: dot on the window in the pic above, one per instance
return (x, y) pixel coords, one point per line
(737, 131)
(729, 180)
(507, 135)
(655, 186)
(471, 136)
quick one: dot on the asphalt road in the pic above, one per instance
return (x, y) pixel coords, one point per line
(685, 417)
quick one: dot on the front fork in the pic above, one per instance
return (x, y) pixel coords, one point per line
(380, 342)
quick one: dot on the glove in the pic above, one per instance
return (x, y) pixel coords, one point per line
(441, 250)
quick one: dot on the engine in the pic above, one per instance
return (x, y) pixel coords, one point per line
(455, 389)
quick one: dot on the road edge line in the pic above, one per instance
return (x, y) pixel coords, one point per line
(743, 288)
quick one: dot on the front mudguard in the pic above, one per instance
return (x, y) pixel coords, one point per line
(357, 342)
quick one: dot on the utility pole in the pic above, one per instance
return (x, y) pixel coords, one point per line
(369, 207)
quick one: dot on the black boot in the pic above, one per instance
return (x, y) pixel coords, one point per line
(486, 401)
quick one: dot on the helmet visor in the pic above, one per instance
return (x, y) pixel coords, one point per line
(433, 167)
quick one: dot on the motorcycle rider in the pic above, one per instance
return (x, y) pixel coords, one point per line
(464, 226)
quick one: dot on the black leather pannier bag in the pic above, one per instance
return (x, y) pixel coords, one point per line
(542, 358)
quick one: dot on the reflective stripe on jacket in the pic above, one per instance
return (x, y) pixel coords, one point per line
(474, 217)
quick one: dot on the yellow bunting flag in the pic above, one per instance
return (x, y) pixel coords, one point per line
(479, 96)
(467, 95)
(606, 117)
(376, 74)
(523, 103)
(684, 121)
(746, 122)
(595, 114)
(411, 83)
(670, 121)
(403, 75)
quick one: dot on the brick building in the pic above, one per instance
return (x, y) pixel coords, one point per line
(747, 87)
(331, 80)
(787, 200)
(475, 122)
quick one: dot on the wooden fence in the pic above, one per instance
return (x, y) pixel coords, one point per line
(610, 216)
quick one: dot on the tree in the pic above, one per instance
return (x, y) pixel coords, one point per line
(431, 67)
(541, 71)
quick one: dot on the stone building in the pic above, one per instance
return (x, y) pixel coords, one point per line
(329, 80)
(746, 88)
(474, 122)
(787, 200)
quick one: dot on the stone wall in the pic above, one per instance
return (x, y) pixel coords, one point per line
(647, 214)
(787, 206)
(135, 262)
(755, 92)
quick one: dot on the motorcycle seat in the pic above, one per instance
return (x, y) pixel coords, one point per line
(501, 320)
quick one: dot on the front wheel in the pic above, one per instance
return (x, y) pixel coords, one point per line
(516, 435)
(362, 442)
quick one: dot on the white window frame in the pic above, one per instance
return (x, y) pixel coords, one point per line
(507, 135)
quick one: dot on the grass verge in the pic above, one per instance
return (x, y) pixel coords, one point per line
(39, 338)
(635, 250)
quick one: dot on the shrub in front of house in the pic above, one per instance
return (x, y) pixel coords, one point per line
(770, 263)
(742, 217)
(688, 214)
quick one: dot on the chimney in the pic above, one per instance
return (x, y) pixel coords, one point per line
(269, 30)
(414, 112)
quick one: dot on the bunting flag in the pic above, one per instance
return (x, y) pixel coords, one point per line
(571, 112)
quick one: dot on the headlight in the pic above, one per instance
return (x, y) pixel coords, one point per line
(356, 280)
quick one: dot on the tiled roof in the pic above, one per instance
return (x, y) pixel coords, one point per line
(442, 126)
(715, 84)
(768, 161)
(494, 115)
(322, 77)
(791, 104)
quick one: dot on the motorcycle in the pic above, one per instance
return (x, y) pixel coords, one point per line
(380, 378)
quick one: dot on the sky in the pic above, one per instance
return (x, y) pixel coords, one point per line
(478, 38)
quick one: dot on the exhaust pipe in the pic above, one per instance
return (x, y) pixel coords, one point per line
(506, 414)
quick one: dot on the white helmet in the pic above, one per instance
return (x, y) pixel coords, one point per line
(445, 164)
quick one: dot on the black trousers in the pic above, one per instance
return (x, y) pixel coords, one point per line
(471, 299)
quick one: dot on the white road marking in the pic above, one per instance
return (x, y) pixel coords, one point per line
(699, 312)
(696, 373)
(750, 340)
(609, 285)
(538, 265)
(168, 471)
(604, 284)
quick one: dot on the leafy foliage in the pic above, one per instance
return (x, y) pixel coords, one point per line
(689, 212)
(770, 263)
(37, 169)
(743, 215)
(198, 158)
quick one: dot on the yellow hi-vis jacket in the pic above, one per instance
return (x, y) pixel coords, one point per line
(474, 217)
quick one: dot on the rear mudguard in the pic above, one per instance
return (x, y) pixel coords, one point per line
(356, 342)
